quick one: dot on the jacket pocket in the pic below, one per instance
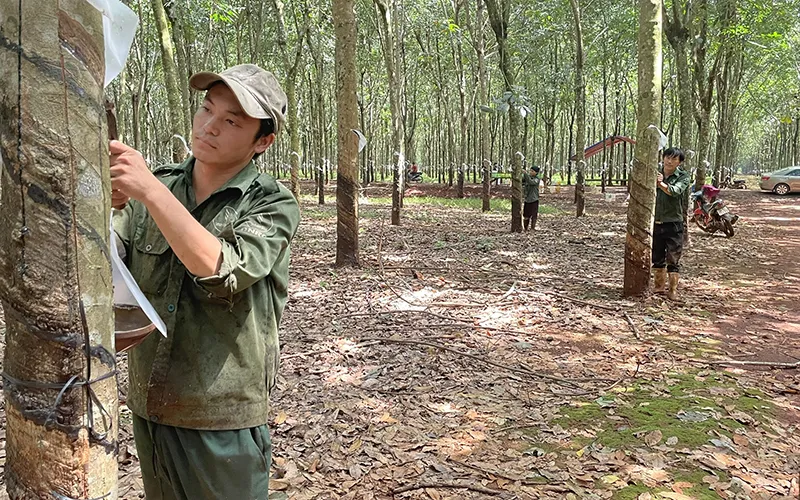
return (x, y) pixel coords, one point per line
(150, 262)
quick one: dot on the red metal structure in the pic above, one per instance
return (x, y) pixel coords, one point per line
(606, 143)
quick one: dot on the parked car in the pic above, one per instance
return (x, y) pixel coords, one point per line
(781, 181)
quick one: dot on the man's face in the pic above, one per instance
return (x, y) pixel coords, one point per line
(222, 134)
(671, 163)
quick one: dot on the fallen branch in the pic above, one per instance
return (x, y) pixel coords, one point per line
(521, 371)
(477, 327)
(633, 326)
(466, 486)
(635, 373)
(508, 293)
(772, 364)
(584, 302)
(484, 471)
(447, 305)
(456, 244)
(517, 427)
(459, 322)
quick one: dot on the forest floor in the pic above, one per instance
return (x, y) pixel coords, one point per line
(462, 361)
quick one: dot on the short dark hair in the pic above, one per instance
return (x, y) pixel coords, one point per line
(535, 169)
(673, 153)
(267, 127)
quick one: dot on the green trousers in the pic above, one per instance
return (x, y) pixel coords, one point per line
(188, 464)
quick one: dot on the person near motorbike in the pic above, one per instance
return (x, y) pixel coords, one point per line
(672, 182)
(705, 197)
(705, 200)
(414, 175)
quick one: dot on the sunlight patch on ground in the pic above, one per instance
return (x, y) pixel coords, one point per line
(414, 300)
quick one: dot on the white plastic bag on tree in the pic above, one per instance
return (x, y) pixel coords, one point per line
(119, 27)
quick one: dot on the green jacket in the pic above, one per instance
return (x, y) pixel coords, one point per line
(215, 369)
(670, 207)
(530, 187)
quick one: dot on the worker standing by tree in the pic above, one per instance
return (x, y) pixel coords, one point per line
(208, 242)
(530, 187)
(668, 226)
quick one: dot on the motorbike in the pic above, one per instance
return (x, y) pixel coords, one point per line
(715, 215)
(414, 176)
(733, 184)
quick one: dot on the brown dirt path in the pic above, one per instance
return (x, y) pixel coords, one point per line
(591, 409)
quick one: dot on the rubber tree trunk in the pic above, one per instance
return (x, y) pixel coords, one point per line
(703, 87)
(388, 22)
(317, 111)
(484, 160)
(639, 239)
(170, 80)
(59, 368)
(677, 31)
(344, 24)
(499, 13)
(464, 109)
(580, 115)
(291, 65)
(181, 54)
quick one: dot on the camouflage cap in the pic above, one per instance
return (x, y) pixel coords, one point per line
(257, 91)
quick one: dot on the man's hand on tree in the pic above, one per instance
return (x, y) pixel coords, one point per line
(130, 177)
(660, 178)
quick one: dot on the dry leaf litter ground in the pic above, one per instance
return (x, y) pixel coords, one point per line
(461, 361)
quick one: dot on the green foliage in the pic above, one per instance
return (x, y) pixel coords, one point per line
(440, 61)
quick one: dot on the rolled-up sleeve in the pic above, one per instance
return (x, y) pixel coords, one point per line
(679, 186)
(252, 244)
(122, 224)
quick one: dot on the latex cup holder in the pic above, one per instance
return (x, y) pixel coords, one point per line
(131, 326)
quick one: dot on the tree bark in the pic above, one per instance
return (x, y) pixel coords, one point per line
(499, 13)
(549, 115)
(677, 31)
(704, 89)
(728, 84)
(678, 34)
(317, 115)
(344, 24)
(170, 79)
(580, 114)
(59, 369)
(464, 110)
(184, 73)
(639, 239)
(391, 39)
(291, 65)
(484, 161)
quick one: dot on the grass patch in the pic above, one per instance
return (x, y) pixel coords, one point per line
(631, 492)
(698, 491)
(497, 205)
(643, 408)
(329, 212)
(317, 213)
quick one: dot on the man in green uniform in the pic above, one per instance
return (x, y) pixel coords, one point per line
(530, 187)
(208, 242)
(668, 225)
